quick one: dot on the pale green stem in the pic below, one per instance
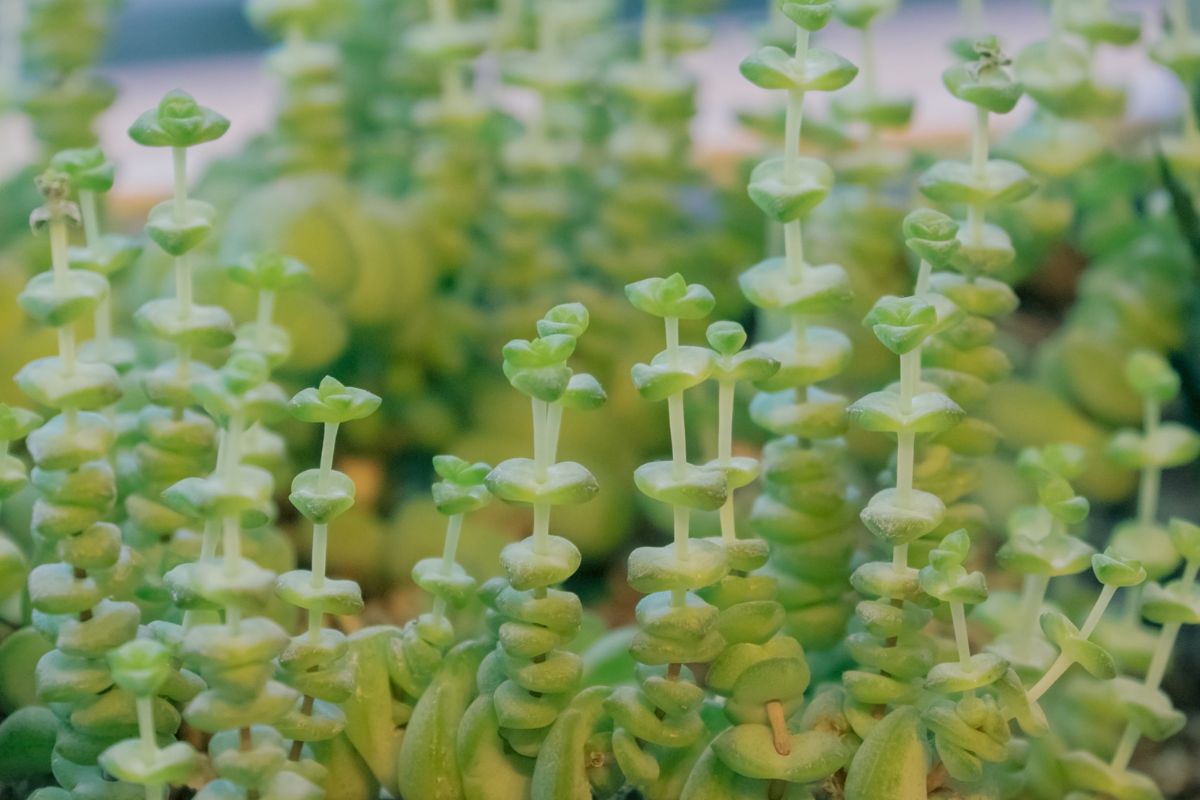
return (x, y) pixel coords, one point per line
(91, 218)
(554, 416)
(541, 459)
(449, 550)
(1064, 662)
(725, 390)
(59, 247)
(541, 526)
(794, 117)
(262, 321)
(924, 273)
(328, 444)
(979, 159)
(145, 718)
(675, 403)
(1031, 608)
(910, 367)
(682, 519)
(900, 557)
(793, 249)
(728, 521)
(958, 615)
(320, 552)
(1154, 675)
(179, 165)
(725, 421)
(231, 542)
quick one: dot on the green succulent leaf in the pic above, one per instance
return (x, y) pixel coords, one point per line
(332, 402)
(178, 121)
(670, 297)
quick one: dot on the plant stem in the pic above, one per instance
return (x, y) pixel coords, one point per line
(959, 616)
(541, 526)
(91, 219)
(794, 118)
(262, 321)
(725, 421)
(554, 414)
(1031, 607)
(179, 170)
(682, 520)
(449, 549)
(59, 247)
(979, 159)
(328, 444)
(900, 557)
(793, 250)
(924, 273)
(1063, 662)
(541, 461)
(145, 719)
(910, 367)
(725, 391)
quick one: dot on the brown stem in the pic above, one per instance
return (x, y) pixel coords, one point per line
(81, 574)
(306, 708)
(936, 778)
(779, 730)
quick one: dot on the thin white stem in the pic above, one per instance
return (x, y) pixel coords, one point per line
(1031, 608)
(793, 249)
(541, 526)
(145, 719)
(262, 321)
(328, 445)
(979, 160)
(725, 421)
(1125, 747)
(91, 219)
(682, 519)
(924, 273)
(179, 169)
(678, 433)
(1159, 660)
(541, 458)
(554, 414)
(728, 521)
(320, 549)
(1063, 662)
(231, 539)
(450, 547)
(959, 616)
